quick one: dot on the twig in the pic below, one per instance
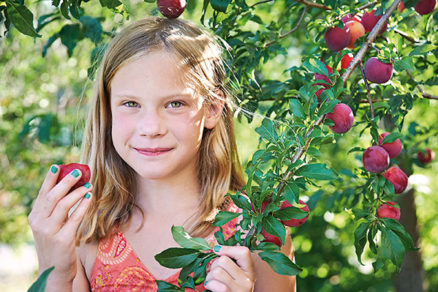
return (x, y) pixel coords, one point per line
(371, 37)
(261, 2)
(368, 90)
(424, 94)
(406, 36)
(290, 31)
(367, 5)
(311, 4)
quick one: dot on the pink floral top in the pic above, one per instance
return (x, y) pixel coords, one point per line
(117, 267)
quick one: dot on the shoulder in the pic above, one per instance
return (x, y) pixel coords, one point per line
(87, 253)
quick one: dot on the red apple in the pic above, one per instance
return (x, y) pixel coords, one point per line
(388, 211)
(377, 71)
(369, 20)
(356, 31)
(336, 38)
(295, 222)
(271, 238)
(424, 7)
(398, 178)
(318, 94)
(393, 148)
(348, 17)
(323, 77)
(425, 157)
(401, 6)
(346, 60)
(68, 168)
(375, 159)
(171, 8)
(342, 116)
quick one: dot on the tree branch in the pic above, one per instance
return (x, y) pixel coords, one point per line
(290, 31)
(367, 5)
(368, 90)
(424, 94)
(311, 4)
(261, 2)
(406, 36)
(371, 37)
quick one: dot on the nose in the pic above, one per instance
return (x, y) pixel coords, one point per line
(151, 124)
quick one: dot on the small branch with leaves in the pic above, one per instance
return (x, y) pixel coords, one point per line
(424, 94)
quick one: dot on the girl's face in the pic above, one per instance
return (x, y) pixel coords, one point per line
(157, 121)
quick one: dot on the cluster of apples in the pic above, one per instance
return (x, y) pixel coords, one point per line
(291, 222)
(376, 159)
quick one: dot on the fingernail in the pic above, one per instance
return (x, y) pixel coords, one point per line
(75, 173)
(53, 169)
(87, 196)
(205, 284)
(217, 248)
(87, 185)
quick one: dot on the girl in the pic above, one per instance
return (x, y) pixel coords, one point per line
(160, 143)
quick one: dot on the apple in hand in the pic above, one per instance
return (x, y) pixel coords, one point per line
(393, 148)
(375, 159)
(65, 169)
(295, 222)
(171, 8)
(336, 38)
(377, 71)
(342, 117)
(425, 157)
(398, 178)
(388, 211)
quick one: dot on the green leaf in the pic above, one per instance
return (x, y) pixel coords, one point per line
(70, 34)
(291, 192)
(401, 232)
(21, 18)
(290, 213)
(317, 171)
(392, 137)
(267, 131)
(393, 246)
(92, 28)
(422, 50)
(404, 64)
(220, 5)
(163, 286)
(327, 107)
(176, 257)
(185, 240)
(356, 149)
(280, 263)
(241, 201)
(223, 217)
(274, 227)
(360, 239)
(110, 3)
(40, 284)
(315, 66)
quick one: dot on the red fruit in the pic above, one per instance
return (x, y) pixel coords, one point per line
(425, 158)
(347, 18)
(388, 211)
(336, 38)
(271, 238)
(171, 8)
(68, 168)
(295, 222)
(323, 77)
(401, 6)
(375, 159)
(369, 20)
(398, 178)
(377, 71)
(342, 116)
(318, 94)
(425, 6)
(356, 31)
(346, 60)
(393, 148)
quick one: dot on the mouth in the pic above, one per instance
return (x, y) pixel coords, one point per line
(153, 151)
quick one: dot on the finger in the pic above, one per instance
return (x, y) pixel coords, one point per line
(216, 286)
(71, 226)
(61, 189)
(229, 266)
(48, 183)
(241, 254)
(60, 213)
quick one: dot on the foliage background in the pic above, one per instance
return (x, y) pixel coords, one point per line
(43, 105)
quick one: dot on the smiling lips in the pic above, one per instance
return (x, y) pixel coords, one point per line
(152, 151)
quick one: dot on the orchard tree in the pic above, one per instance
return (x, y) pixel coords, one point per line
(356, 80)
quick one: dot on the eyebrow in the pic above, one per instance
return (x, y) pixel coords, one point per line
(163, 97)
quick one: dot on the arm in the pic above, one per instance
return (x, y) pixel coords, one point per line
(267, 279)
(80, 282)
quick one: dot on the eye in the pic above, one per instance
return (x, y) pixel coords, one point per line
(176, 104)
(130, 103)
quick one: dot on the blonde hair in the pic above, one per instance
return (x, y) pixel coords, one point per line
(219, 169)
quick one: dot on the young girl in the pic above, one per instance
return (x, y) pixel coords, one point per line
(160, 143)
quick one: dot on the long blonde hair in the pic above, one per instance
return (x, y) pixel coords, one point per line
(219, 169)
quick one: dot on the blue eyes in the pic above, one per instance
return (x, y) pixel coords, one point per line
(172, 104)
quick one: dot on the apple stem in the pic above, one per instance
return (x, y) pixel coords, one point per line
(368, 89)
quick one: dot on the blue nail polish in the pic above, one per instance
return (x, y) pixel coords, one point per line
(87, 185)
(217, 248)
(53, 169)
(87, 196)
(75, 173)
(205, 284)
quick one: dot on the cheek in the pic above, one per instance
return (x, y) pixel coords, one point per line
(121, 126)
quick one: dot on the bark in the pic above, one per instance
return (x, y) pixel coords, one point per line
(411, 276)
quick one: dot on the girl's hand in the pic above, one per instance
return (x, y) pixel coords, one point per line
(233, 271)
(53, 229)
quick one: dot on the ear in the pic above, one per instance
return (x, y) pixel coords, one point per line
(214, 111)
